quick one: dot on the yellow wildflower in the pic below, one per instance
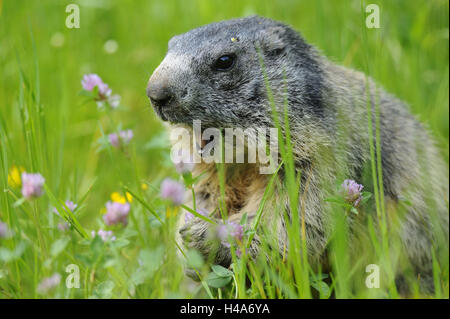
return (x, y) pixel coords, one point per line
(171, 211)
(119, 198)
(14, 176)
(129, 197)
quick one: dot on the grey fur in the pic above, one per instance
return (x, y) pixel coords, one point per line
(328, 119)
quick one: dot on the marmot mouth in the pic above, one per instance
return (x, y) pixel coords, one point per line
(163, 116)
(174, 114)
(159, 112)
(166, 115)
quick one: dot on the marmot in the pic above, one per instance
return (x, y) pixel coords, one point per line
(214, 74)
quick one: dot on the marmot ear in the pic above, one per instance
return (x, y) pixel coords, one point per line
(271, 40)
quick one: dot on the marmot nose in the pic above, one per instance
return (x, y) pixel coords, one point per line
(159, 93)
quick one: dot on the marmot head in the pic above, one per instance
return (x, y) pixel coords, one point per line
(213, 74)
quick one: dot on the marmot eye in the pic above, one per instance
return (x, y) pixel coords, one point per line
(224, 63)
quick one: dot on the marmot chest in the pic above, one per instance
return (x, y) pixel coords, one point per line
(244, 188)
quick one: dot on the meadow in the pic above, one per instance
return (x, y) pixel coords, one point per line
(51, 126)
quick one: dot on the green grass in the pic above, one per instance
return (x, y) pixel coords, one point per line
(46, 126)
